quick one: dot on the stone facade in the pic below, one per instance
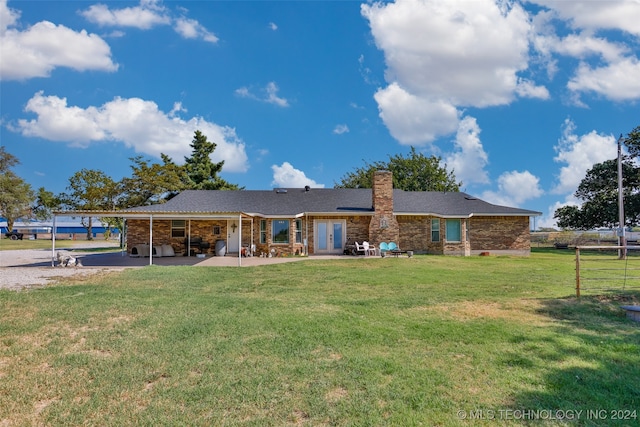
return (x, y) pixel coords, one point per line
(383, 226)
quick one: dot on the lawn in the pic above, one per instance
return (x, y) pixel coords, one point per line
(430, 340)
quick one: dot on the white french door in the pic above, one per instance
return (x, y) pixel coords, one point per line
(330, 236)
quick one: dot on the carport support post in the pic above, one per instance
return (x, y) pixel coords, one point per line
(53, 243)
(150, 239)
(240, 241)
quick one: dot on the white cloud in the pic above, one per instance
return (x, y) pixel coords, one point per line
(148, 14)
(607, 67)
(619, 81)
(514, 188)
(580, 153)
(414, 120)
(38, 50)
(528, 89)
(137, 123)
(621, 15)
(145, 16)
(272, 26)
(286, 176)
(340, 129)
(192, 29)
(268, 94)
(469, 159)
(8, 16)
(447, 55)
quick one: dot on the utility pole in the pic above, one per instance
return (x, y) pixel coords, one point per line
(622, 253)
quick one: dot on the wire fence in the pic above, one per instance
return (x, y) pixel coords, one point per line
(607, 268)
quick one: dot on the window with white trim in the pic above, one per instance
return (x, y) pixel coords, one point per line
(178, 228)
(435, 229)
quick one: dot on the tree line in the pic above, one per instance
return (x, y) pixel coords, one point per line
(153, 183)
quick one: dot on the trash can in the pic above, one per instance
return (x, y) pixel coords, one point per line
(221, 247)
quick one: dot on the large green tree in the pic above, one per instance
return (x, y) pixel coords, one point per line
(598, 192)
(16, 195)
(153, 183)
(90, 189)
(201, 172)
(415, 172)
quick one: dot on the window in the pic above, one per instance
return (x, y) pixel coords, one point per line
(435, 229)
(454, 233)
(178, 228)
(280, 231)
(298, 231)
(263, 231)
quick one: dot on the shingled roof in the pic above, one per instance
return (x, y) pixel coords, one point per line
(295, 201)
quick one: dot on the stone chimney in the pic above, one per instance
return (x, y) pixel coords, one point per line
(383, 226)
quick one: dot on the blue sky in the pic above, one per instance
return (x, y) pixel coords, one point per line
(520, 98)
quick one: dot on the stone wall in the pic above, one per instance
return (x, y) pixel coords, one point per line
(383, 226)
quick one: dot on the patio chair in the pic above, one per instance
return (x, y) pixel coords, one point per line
(393, 247)
(360, 248)
(369, 249)
(383, 248)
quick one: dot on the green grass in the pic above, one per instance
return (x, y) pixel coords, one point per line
(330, 342)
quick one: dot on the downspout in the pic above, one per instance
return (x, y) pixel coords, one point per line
(151, 239)
(53, 242)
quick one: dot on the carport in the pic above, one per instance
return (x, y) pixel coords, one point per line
(150, 213)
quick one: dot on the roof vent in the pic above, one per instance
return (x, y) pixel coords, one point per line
(307, 188)
(281, 190)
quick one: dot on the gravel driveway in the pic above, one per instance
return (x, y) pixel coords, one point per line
(31, 268)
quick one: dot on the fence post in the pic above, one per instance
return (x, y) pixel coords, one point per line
(577, 272)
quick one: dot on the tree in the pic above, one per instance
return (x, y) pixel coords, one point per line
(598, 191)
(416, 172)
(202, 173)
(90, 189)
(151, 184)
(46, 201)
(16, 195)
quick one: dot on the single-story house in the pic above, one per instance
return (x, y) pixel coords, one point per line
(310, 221)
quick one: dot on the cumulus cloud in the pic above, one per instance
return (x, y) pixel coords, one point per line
(469, 158)
(447, 55)
(136, 123)
(286, 175)
(41, 48)
(607, 66)
(621, 15)
(148, 14)
(268, 94)
(515, 188)
(415, 120)
(618, 81)
(579, 153)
